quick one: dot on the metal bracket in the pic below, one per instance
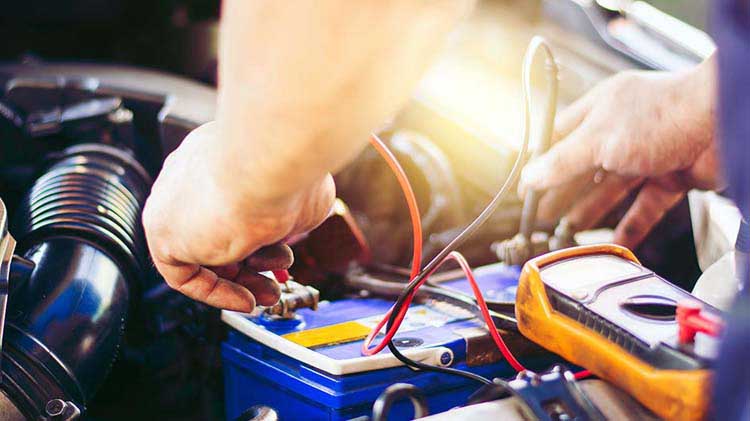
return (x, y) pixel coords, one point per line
(554, 395)
(60, 410)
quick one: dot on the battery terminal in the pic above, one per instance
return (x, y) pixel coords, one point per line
(294, 296)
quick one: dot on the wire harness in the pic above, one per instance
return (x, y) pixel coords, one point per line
(396, 314)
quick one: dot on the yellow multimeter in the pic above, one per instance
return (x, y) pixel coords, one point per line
(597, 307)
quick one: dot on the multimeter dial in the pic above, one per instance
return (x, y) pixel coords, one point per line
(582, 276)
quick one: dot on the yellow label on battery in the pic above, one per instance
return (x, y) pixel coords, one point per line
(329, 335)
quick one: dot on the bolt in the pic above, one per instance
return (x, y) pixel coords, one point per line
(446, 358)
(55, 407)
(120, 116)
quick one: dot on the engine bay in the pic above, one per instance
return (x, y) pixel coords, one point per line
(91, 330)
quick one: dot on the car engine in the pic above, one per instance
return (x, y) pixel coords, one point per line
(88, 329)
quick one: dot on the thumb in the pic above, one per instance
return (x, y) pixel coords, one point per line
(565, 161)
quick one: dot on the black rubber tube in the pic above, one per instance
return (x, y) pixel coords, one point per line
(79, 230)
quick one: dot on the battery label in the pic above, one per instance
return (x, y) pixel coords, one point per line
(418, 317)
(329, 335)
(422, 316)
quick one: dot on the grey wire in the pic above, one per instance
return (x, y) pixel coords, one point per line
(531, 201)
(536, 43)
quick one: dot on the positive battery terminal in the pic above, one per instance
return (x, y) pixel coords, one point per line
(294, 296)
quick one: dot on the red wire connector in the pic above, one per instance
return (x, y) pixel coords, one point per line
(692, 320)
(281, 276)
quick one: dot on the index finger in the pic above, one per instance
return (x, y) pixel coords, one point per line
(565, 161)
(202, 284)
(572, 116)
(273, 257)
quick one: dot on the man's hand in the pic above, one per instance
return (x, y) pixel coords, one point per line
(652, 130)
(301, 86)
(210, 240)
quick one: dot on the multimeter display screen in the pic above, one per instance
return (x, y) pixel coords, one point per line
(579, 272)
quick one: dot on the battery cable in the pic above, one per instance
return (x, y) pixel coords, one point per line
(392, 320)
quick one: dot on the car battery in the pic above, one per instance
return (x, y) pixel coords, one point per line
(311, 367)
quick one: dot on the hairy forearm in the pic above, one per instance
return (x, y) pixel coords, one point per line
(301, 84)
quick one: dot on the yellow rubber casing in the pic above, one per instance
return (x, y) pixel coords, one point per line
(671, 394)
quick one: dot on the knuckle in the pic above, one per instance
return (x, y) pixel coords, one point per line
(172, 283)
(148, 217)
(632, 231)
(626, 78)
(170, 159)
(229, 251)
(611, 154)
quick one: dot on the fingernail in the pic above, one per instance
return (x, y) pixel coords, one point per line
(268, 298)
(521, 190)
(524, 184)
(530, 174)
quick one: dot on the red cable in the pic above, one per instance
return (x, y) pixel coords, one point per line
(458, 257)
(416, 265)
(461, 260)
(366, 350)
(411, 201)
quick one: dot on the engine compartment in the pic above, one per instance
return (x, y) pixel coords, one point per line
(89, 318)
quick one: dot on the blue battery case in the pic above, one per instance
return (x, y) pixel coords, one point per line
(333, 381)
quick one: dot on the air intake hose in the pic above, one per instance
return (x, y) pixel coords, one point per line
(79, 229)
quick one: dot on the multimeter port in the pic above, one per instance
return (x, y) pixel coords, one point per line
(651, 307)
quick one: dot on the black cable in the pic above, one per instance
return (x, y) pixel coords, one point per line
(536, 43)
(394, 393)
(498, 389)
(502, 319)
(437, 369)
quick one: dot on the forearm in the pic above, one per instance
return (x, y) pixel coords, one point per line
(302, 84)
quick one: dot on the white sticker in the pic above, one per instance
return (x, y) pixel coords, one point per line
(422, 316)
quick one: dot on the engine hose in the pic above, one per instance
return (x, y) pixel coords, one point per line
(94, 192)
(79, 225)
(394, 393)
